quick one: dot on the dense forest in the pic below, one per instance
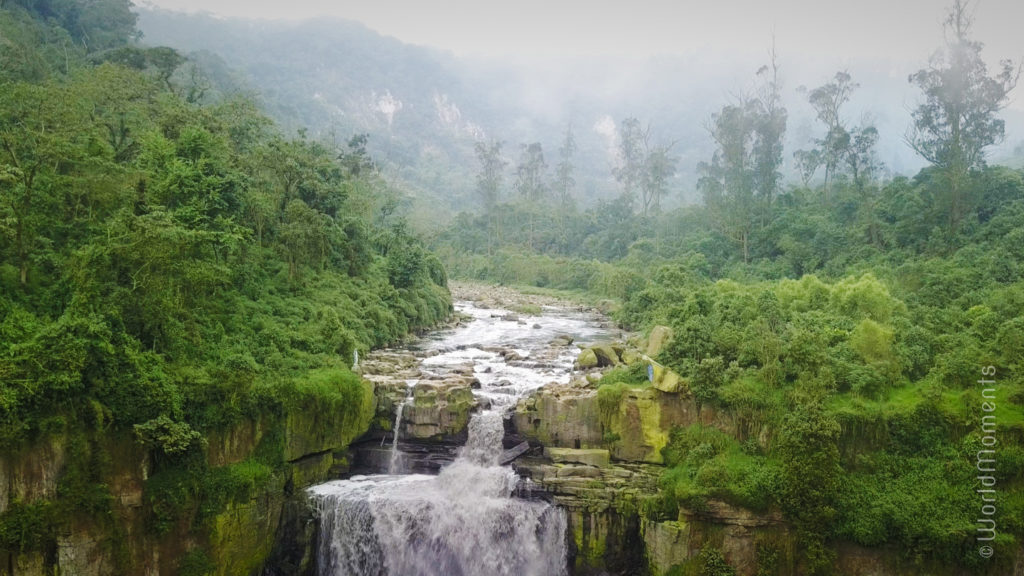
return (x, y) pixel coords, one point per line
(171, 262)
(869, 320)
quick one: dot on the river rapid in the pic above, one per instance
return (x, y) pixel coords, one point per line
(474, 517)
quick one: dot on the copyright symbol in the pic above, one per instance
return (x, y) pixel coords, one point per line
(985, 551)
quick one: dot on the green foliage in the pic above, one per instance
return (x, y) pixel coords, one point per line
(171, 264)
(712, 563)
(811, 477)
(171, 438)
(613, 386)
(196, 563)
(28, 527)
(706, 463)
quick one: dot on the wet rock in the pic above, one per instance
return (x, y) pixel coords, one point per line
(536, 326)
(511, 355)
(562, 340)
(440, 411)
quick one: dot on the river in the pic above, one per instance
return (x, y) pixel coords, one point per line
(474, 517)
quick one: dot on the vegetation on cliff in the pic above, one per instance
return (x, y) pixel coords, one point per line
(171, 264)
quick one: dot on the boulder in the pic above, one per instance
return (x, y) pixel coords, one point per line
(587, 359)
(659, 338)
(606, 355)
(665, 379)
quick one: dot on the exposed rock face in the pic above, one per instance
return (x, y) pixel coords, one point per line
(601, 504)
(440, 410)
(659, 338)
(236, 536)
(592, 457)
(568, 416)
(562, 415)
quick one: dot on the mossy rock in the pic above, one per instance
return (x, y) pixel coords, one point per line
(659, 338)
(587, 359)
(607, 356)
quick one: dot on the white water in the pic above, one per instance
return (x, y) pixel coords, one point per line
(464, 521)
(395, 465)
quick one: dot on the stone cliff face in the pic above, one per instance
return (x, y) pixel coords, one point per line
(119, 532)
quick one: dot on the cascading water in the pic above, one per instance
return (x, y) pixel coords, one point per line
(464, 521)
(395, 463)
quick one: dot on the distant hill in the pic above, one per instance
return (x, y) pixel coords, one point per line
(425, 108)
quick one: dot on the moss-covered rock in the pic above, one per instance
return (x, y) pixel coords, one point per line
(666, 545)
(665, 379)
(314, 424)
(659, 338)
(607, 355)
(560, 415)
(587, 359)
(440, 411)
(637, 426)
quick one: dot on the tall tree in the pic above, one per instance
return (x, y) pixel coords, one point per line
(957, 119)
(565, 182)
(740, 181)
(488, 183)
(827, 101)
(658, 167)
(632, 151)
(43, 134)
(530, 173)
(530, 181)
(769, 129)
(727, 182)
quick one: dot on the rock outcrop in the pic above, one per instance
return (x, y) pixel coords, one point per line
(152, 520)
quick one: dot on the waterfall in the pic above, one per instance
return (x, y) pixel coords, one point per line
(395, 464)
(462, 522)
(466, 521)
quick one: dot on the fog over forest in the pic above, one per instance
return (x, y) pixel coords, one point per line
(424, 107)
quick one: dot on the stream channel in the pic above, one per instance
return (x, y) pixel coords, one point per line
(475, 516)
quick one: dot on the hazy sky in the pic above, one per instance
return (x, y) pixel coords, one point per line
(898, 29)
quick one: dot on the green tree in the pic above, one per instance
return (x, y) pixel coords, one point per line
(808, 449)
(530, 171)
(632, 151)
(488, 184)
(769, 130)
(957, 120)
(658, 167)
(727, 181)
(43, 134)
(565, 182)
(827, 101)
(530, 183)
